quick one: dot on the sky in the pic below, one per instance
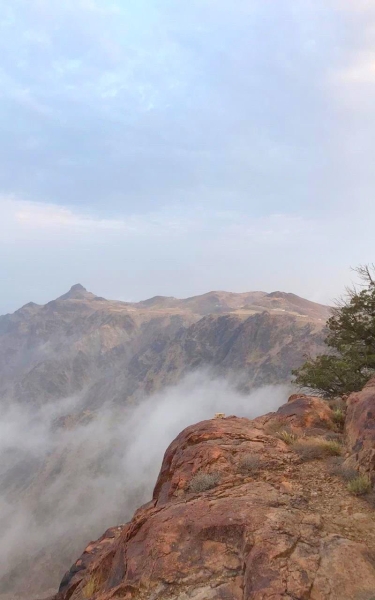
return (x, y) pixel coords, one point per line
(159, 147)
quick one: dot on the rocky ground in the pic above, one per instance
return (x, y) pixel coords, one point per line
(249, 510)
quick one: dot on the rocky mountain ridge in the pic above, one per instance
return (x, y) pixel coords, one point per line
(81, 344)
(267, 522)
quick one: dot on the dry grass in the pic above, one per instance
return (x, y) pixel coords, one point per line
(201, 482)
(91, 587)
(276, 426)
(338, 417)
(316, 448)
(360, 486)
(249, 463)
(287, 437)
(336, 467)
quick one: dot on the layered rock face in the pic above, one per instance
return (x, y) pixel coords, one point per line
(237, 515)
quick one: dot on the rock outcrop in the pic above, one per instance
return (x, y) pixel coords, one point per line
(237, 515)
(360, 430)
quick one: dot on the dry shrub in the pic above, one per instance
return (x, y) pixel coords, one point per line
(360, 486)
(312, 449)
(249, 463)
(202, 482)
(336, 467)
(287, 437)
(337, 404)
(276, 426)
(91, 587)
(338, 418)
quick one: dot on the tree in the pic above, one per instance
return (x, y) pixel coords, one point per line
(350, 339)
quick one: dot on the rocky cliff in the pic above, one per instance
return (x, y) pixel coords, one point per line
(248, 510)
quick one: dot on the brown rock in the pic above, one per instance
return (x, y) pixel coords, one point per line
(360, 430)
(242, 539)
(307, 411)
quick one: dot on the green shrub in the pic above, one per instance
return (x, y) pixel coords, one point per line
(360, 485)
(202, 482)
(350, 359)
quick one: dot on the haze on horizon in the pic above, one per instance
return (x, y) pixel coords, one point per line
(176, 148)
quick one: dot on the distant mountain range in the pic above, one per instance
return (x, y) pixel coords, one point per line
(117, 351)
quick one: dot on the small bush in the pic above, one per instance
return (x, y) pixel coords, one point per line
(332, 447)
(337, 468)
(202, 482)
(249, 463)
(276, 426)
(360, 485)
(91, 587)
(337, 403)
(287, 437)
(339, 417)
(316, 449)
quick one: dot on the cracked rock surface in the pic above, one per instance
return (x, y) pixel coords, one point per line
(273, 527)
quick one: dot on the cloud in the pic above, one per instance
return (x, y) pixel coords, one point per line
(182, 147)
(62, 487)
(25, 219)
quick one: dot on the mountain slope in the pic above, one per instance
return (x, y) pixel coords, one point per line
(86, 345)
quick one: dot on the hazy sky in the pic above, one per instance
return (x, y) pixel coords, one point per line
(167, 147)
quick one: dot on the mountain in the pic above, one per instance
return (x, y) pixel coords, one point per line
(82, 383)
(239, 514)
(82, 344)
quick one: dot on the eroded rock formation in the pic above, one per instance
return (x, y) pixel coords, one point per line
(272, 525)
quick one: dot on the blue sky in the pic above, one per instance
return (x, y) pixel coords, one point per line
(158, 147)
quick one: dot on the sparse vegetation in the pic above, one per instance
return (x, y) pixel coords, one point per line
(315, 448)
(201, 482)
(336, 467)
(351, 341)
(288, 437)
(360, 485)
(91, 587)
(275, 426)
(339, 418)
(249, 463)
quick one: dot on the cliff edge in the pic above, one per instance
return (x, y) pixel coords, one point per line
(248, 510)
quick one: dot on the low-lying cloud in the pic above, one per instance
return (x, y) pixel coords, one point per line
(65, 479)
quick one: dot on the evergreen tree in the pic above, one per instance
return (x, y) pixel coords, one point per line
(350, 360)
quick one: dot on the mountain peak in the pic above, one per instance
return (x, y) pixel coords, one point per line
(78, 288)
(76, 292)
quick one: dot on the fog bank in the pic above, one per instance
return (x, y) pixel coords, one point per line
(65, 479)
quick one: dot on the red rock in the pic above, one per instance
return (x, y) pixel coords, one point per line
(244, 539)
(360, 429)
